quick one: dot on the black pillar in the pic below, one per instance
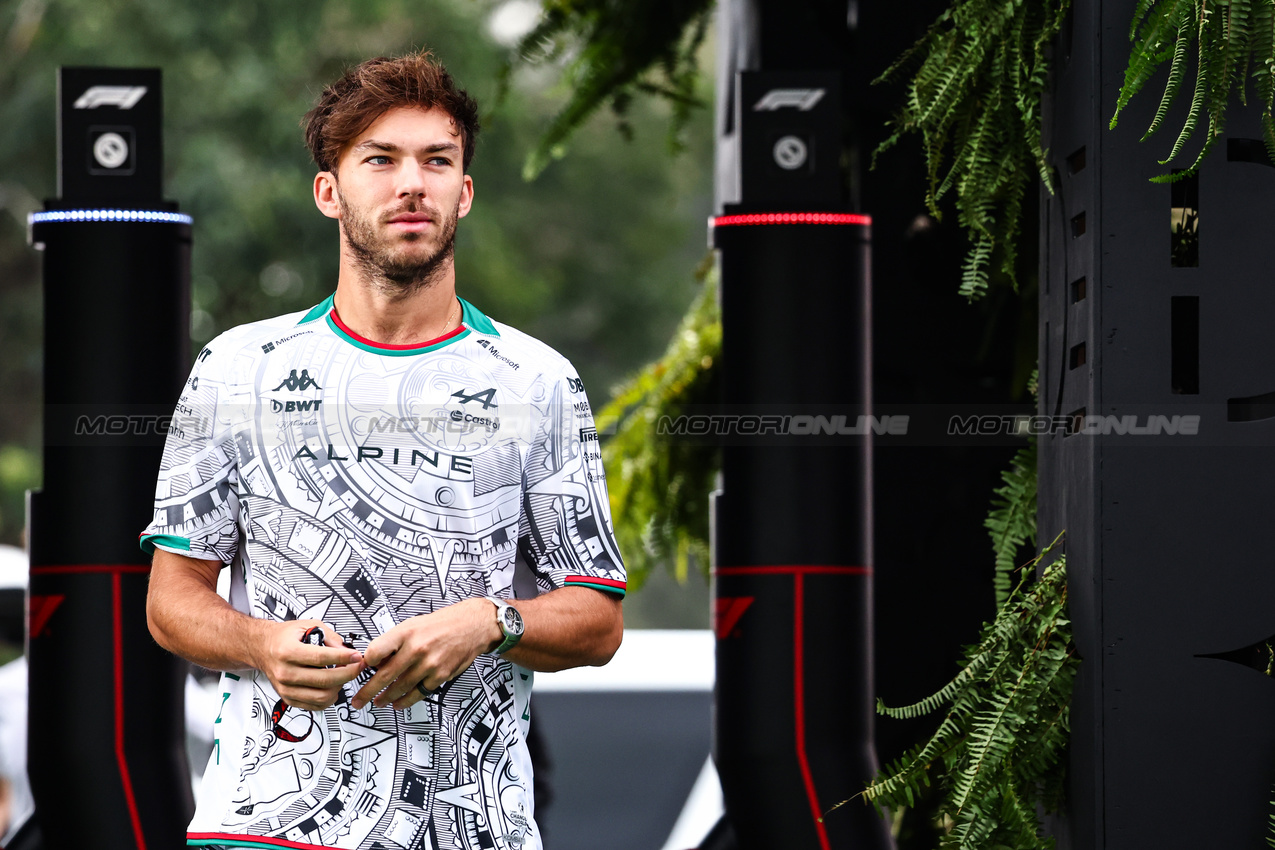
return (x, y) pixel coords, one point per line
(106, 754)
(792, 553)
(1161, 350)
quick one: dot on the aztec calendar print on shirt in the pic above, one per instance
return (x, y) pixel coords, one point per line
(362, 485)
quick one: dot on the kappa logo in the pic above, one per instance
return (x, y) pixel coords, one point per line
(802, 99)
(122, 97)
(294, 384)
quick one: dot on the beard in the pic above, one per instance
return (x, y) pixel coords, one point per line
(380, 258)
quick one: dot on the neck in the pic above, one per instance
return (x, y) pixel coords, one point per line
(394, 313)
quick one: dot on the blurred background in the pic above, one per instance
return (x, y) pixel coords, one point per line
(596, 256)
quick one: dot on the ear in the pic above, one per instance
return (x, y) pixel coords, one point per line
(466, 197)
(325, 196)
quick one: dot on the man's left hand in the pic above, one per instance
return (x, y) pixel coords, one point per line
(429, 649)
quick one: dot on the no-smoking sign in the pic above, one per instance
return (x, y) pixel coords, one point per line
(111, 150)
(790, 152)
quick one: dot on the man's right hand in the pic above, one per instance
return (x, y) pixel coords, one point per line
(305, 676)
(188, 618)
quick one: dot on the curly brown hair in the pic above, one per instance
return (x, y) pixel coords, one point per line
(348, 106)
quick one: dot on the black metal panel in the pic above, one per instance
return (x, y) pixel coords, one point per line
(110, 148)
(790, 140)
(107, 764)
(1170, 748)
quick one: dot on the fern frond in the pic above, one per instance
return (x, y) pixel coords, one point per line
(1233, 40)
(1012, 520)
(1177, 71)
(977, 76)
(1150, 49)
(996, 756)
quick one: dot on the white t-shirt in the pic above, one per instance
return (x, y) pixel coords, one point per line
(363, 484)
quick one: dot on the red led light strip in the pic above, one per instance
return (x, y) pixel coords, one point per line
(792, 218)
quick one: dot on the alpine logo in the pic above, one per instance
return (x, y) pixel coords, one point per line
(292, 383)
(122, 97)
(487, 397)
(802, 99)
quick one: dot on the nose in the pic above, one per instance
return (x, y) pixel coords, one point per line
(411, 179)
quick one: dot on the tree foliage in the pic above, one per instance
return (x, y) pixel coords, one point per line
(614, 50)
(974, 97)
(660, 487)
(1233, 41)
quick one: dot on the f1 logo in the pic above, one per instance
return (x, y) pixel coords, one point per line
(123, 97)
(803, 99)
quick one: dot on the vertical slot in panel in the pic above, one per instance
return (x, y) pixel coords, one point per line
(1184, 199)
(1077, 291)
(1077, 356)
(1077, 225)
(1045, 376)
(1076, 162)
(1185, 344)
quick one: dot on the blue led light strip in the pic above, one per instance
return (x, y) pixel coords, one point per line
(149, 216)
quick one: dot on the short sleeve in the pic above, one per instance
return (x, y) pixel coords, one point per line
(568, 538)
(196, 501)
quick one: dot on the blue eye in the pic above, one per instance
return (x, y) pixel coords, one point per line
(384, 160)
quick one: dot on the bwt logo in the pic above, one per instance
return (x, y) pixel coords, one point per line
(123, 97)
(294, 406)
(803, 99)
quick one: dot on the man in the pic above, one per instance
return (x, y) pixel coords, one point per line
(412, 505)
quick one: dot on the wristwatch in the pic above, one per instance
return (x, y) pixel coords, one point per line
(510, 622)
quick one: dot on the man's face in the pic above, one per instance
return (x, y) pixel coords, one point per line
(398, 191)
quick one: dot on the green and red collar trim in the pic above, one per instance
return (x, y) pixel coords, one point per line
(472, 320)
(342, 330)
